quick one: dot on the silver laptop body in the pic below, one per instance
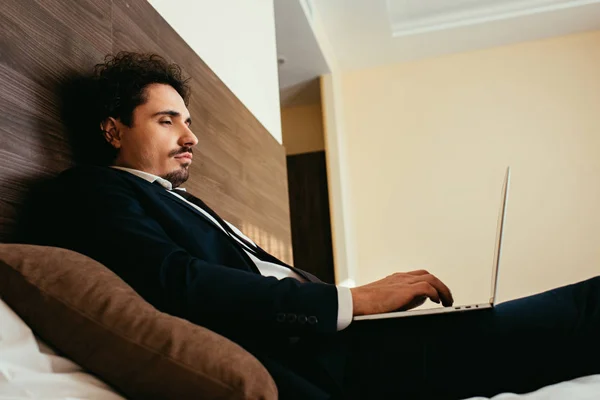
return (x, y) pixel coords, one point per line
(472, 307)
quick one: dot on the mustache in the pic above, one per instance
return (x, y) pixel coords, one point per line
(181, 151)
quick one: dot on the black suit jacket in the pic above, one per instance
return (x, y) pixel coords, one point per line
(186, 266)
(176, 258)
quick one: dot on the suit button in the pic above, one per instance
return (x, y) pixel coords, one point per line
(280, 317)
(302, 319)
(291, 318)
(312, 320)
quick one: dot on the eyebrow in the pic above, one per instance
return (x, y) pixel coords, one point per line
(173, 113)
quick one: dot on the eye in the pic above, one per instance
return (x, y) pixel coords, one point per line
(167, 122)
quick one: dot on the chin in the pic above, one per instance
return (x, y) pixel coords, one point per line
(179, 176)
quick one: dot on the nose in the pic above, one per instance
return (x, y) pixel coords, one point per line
(188, 139)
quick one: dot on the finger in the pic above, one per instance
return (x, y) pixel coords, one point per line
(442, 289)
(418, 272)
(424, 288)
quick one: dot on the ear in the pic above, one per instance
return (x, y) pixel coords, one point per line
(112, 132)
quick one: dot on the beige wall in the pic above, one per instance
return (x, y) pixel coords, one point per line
(302, 129)
(342, 232)
(425, 148)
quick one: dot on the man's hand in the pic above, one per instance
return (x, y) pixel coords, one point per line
(400, 291)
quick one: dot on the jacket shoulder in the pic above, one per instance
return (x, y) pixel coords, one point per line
(88, 172)
(86, 176)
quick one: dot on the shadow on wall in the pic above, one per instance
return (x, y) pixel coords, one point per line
(80, 141)
(79, 113)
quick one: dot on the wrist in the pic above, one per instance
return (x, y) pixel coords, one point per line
(357, 301)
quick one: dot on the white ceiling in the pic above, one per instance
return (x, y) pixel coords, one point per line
(367, 33)
(409, 17)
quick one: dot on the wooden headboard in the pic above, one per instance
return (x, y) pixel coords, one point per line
(240, 169)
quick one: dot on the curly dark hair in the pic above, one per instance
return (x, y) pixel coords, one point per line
(121, 81)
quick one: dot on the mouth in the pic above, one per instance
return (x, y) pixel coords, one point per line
(184, 156)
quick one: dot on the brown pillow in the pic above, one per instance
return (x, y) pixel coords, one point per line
(94, 318)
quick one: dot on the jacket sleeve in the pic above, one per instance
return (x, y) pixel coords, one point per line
(105, 221)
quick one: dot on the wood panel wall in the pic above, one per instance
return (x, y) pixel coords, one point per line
(239, 168)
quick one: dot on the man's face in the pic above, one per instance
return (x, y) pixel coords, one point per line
(159, 140)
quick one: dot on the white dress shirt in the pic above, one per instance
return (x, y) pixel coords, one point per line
(266, 268)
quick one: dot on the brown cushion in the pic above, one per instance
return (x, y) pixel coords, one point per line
(94, 318)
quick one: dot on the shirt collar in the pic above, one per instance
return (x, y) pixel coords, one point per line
(148, 177)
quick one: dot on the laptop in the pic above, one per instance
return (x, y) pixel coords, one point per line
(496, 267)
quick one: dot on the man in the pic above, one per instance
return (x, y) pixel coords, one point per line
(133, 216)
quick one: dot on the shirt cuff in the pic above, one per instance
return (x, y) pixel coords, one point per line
(344, 307)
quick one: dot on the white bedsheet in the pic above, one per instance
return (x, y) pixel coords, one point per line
(585, 388)
(31, 370)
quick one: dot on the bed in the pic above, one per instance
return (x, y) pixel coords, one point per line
(29, 369)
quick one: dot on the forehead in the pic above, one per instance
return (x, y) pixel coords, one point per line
(161, 97)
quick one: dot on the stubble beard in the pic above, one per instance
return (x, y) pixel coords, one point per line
(178, 177)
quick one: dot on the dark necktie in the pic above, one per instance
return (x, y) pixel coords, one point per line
(250, 247)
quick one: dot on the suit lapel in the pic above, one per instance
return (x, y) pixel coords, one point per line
(157, 188)
(306, 275)
(192, 209)
(170, 197)
(187, 205)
